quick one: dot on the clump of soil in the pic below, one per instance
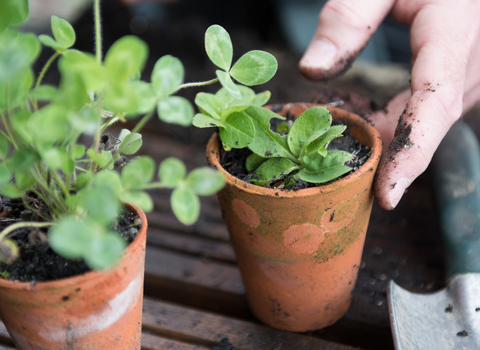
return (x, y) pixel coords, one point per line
(234, 160)
(37, 261)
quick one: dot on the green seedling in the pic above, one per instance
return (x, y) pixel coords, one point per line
(40, 148)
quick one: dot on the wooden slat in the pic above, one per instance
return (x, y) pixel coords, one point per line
(193, 326)
(154, 342)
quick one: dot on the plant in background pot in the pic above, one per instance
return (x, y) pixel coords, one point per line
(298, 216)
(50, 180)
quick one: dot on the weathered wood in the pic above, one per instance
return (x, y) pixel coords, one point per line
(154, 342)
(192, 326)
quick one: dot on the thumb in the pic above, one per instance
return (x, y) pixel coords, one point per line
(344, 28)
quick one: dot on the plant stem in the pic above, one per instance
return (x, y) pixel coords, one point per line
(13, 227)
(201, 83)
(42, 74)
(7, 129)
(154, 185)
(145, 119)
(98, 31)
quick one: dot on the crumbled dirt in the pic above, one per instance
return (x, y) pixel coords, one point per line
(402, 136)
(234, 160)
(38, 262)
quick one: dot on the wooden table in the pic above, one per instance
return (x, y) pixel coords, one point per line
(194, 295)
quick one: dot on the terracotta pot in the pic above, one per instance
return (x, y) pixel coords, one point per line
(299, 251)
(96, 310)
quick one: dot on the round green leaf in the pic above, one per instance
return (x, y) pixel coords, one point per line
(140, 199)
(17, 52)
(167, 75)
(78, 151)
(63, 32)
(218, 46)
(5, 174)
(48, 41)
(131, 143)
(44, 93)
(122, 99)
(145, 96)
(109, 178)
(209, 104)
(205, 121)
(254, 68)
(12, 12)
(126, 57)
(138, 172)
(93, 75)
(101, 204)
(176, 110)
(23, 180)
(228, 84)
(171, 172)
(70, 237)
(22, 159)
(262, 98)
(11, 191)
(105, 250)
(238, 130)
(185, 205)
(205, 181)
(56, 117)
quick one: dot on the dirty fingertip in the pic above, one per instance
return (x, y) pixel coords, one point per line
(318, 59)
(395, 193)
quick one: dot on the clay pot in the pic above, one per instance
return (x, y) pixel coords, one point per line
(299, 251)
(96, 310)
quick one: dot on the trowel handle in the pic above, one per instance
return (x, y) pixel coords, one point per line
(456, 181)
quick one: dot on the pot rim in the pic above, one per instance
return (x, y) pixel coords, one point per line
(370, 165)
(87, 276)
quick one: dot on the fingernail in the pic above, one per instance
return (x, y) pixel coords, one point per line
(398, 191)
(320, 53)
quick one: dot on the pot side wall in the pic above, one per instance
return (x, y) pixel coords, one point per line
(299, 251)
(96, 310)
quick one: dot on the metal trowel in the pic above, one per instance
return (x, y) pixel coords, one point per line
(450, 318)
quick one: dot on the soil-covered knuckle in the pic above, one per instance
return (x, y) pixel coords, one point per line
(339, 68)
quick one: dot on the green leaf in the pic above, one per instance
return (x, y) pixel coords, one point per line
(205, 181)
(176, 110)
(56, 117)
(67, 165)
(262, 98)
(22, 159)
(102, 159)
(63, 32)
(131, 143)
(275, 168)
(254, 68)
(125, 58)
(83, 180)
(12, 12)
(53, 157)
(267, 143)
(247, 99)
(167, 75)
(70, 237)
(121, 98)
(48, 41)
(23, 180)
(43, 93)
(4, 145)
(86, 121)
(323, 141)
(253, 161)
(201, 120)
(320, 169)
(209, 104)
(72, 93)
(228, 84)
(140, 199)
(310, 125)
(238, 130)
(19, 124)
(93, 75)
(171, 172)
(110, 179)
(101, 204)
(185, 205)
(105, 250)
(17, 52)
(5, 174)
(11, 191)
(138, 172)
(144, 95)
(219, 46)
(78, 151)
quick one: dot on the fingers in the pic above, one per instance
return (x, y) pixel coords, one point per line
(344, 28)
(438, 83)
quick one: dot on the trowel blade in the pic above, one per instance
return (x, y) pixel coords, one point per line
(447, 319)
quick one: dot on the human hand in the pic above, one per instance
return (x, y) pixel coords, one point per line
(445, 40)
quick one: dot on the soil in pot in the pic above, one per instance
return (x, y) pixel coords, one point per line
(38, 262)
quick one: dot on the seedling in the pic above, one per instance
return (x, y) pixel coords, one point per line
(40, 151)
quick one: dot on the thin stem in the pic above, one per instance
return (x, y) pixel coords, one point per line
(111, 121)
(18, 225)
(98, 31)
(45, 68)
(154, 185)
(145, 119)
(9, 132)
(201, 83)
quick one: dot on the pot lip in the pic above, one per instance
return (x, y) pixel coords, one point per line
(370, 165)
(88, 276)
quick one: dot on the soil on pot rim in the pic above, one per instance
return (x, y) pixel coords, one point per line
(234, 161)
(37, 261)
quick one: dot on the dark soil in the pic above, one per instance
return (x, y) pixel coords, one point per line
(234, 160)
(224, 344)
(38, 262)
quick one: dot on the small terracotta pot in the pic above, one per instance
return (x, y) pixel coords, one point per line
(299, 251)
(96, 310)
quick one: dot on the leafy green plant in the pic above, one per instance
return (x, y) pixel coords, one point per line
(40, 149)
